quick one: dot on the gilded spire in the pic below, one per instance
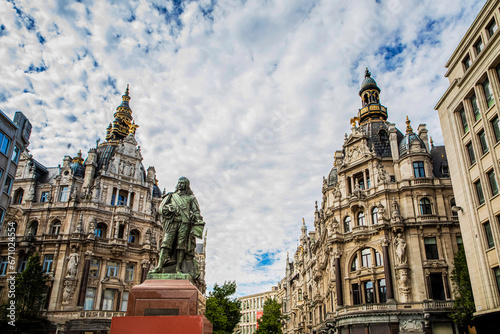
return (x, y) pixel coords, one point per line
(78, 157)
(408, 126)
(367, 73)
(123, 123)
(432, 142)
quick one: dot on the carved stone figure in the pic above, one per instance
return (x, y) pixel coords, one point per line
(411, 326)
(73, 259)
(68, 291)
(382, 175)
(400, 249)
(403, 285)
(395, 208)
(182, 224)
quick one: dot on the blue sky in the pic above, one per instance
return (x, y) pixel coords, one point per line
(248, 99)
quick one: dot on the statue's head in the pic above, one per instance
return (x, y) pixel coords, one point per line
(183, 185)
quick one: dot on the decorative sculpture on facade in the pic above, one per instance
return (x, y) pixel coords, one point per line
(400, 249)
(73, 260)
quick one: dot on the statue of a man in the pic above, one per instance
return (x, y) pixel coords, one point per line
(182, 224)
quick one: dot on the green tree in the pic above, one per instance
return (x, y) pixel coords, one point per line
(31, 290)
(271, 320)
(464, 306)
(223, 311)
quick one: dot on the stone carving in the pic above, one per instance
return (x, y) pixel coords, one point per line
(79, 226)
(383, 177)
(403, 276)
(73, 260)
(69, 290)
(410, 326)
(31, 193)
(400, 249)
(92, 227)
(182, 224)
(333, 274)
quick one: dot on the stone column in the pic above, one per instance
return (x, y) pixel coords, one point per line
(352, 184)
(338, 280)
(100, 291)
(85, 278)
(446, 285)
(428, 284)
(387, 270)
(364, 179)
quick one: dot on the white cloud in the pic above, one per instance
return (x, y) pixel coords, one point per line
(248, 99)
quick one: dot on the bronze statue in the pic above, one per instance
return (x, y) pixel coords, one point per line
(182, 224)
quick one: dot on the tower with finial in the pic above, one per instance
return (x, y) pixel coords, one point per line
(123, 124)
(370, 100)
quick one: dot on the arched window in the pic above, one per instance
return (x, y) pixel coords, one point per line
(425, 206)
(56, 227)
(18, 196)
(354, 263)
(100, 230)
(347, 224)
(33, 228)
(361, 219)
(375, 215)
(379, 261)
(366, 258)
(133, 237)
(452, 204)
(365, 99)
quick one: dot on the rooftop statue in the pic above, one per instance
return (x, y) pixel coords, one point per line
(182, 224)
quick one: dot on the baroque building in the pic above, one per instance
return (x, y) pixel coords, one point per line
(252, 308)
(95, 224)
(469, 113)
(380, 255)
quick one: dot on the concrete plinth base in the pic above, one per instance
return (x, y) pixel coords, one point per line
(161, 325)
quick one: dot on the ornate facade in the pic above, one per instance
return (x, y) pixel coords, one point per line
(94, 223)
(469, 114)
(380, 255)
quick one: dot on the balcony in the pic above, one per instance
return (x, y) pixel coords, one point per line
(421, 180)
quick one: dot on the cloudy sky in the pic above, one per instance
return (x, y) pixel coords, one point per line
(248, 99)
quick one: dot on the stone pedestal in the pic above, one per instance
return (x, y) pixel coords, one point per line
(173, 303)
(156, 297)
(192, 324)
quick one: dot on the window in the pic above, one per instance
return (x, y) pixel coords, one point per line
(133, 237)
(369, 295)
(379, 261)
(47, 263)
(122, 197)
(15, 154)
(94, 268)
(366, 258)
(492, 28)
(452, 204)
(472, 156)
(418, 169)
(487, 93)
(63, 194)
(382, 291)
(124, 301)
(354, 263)
(3, 265)
(356, 294)
(496, 271)
(109, 300)
(463, 118)
(18, 196)
(129, 273)
(425, 206)
(475, 107)
(56, 227)
(4, 143)
(44, 197)
(479, 191)
(437, 287)
(479, 46)
(23, 260)
(89, 299)
(361, 219)
(7, 185)
(467, 62)
(375, 215)
(347, 224)
(496, 128)
(482, 140)
(431, 250)
(489, 235)
(112, 269)
(33, 229)
(100, 230)
(493, 182)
